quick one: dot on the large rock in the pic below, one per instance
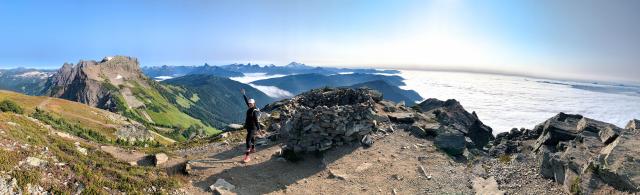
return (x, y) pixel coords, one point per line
(450, 140)
(633, 124)
(562, 127)
(619, 162)
(160, 158)
(451, 113)
(584, 155)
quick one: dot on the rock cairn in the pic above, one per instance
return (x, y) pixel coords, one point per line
(322, 118)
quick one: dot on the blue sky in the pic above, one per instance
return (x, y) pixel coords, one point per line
(590, 39)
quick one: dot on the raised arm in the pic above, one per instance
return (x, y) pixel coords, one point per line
(246, 100)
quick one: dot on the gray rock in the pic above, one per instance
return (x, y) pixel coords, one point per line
(366, 141)
(402, 117)
(619, 162)
(35, 162)
(633, 124)
(609, 133)
(451, 113)
(551, 166)
(562, 127)
(234, 127)
(160, 159)
(222, 184)
(450, 140)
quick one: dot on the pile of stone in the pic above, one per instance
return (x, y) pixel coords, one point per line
(322, 118)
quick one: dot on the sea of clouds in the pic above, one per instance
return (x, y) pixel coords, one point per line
(504, 102)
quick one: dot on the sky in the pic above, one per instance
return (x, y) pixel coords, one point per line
(576, 39)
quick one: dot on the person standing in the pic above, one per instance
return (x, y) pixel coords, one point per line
(252, 126)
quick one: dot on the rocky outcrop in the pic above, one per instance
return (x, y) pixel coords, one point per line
(323, 118)
(93, 83)
(580, 153)
(633, 125)
(133, 133)
(452, 114)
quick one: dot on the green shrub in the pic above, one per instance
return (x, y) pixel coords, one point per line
(24, 177)
(575, 186)
(10, 106)
(505, 159)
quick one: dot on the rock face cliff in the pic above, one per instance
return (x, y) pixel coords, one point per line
(94, 83)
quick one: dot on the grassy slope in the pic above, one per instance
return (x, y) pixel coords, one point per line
(215, 100)
(74, 112)
(99, 172)
(164, 113)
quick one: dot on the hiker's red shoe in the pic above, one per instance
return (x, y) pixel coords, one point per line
(252, 150)
(246, 158)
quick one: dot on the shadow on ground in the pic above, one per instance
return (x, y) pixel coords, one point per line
(273, 174)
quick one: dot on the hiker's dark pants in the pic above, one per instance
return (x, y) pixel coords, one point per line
(251, 138)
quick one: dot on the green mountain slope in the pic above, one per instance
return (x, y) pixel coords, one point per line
(215, 100)
(118, 85)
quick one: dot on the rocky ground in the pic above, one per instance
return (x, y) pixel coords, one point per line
(403, 158)
(393, 163)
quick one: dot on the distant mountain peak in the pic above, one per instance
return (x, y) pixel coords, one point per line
(297, 65)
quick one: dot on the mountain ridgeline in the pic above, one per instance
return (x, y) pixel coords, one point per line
(118, 85)
(214, 100)
(236, 70)
(177, 71)
(24, 80)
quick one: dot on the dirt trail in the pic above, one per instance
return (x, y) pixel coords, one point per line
(391, 164)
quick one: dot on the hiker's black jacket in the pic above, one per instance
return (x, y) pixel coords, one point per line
(251, 120)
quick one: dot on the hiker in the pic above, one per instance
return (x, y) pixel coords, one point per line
(252, 126)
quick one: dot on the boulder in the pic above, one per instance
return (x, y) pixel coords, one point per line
(160, 158)
(609, 133)
(234, 127)
(633, 124)
(222, 184)
(562, 127)
(618, 163)
(451, 113)
(402, 117)
(450, 140)
(366, 141)
(551, 166)
(35, 162)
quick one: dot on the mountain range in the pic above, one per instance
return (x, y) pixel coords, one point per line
(214, 100)
(190, 96)
(236, 70)
(24, 80)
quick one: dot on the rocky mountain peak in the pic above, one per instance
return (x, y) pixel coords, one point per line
(93, 82)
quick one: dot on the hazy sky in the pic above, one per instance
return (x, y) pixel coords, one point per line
(575, 39)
